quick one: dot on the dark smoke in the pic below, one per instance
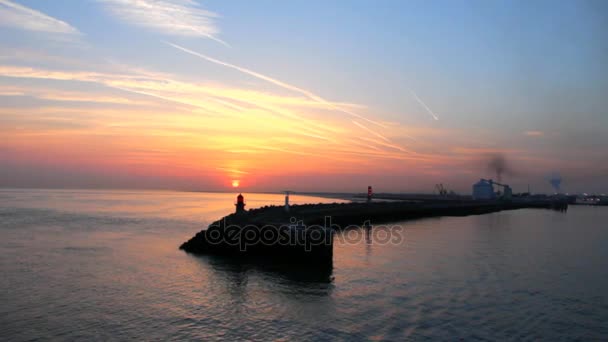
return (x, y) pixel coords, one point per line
(497, 163)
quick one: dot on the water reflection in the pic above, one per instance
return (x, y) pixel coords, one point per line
(237, 269)
(74, 268)
(192, 206)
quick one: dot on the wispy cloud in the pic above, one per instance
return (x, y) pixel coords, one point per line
(534, 133)
(177, 17)
(231, 116)
(54, 94)
(276, 82)
(232, 170)
(419, 100)
(24, 18)
(370, 131)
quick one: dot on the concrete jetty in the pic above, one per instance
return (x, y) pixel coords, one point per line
(304, 233)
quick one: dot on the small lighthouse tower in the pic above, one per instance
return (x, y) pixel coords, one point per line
(287, 192)
(370, 193)
(240, 204)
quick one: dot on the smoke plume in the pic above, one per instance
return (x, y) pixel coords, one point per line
(498, 164)
(556, 181)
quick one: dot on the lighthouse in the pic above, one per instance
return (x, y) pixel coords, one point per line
(240, 204)
(370, 193)
(287, 192)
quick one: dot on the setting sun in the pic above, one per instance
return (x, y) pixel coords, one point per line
(235, 183)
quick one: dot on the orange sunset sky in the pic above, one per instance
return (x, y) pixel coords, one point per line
(306, 95)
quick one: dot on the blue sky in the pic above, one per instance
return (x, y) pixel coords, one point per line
(527, 79)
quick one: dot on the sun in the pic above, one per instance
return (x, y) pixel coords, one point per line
(235, 183)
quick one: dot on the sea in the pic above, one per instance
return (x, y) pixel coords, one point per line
(98, 265)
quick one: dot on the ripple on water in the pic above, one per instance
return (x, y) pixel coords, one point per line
(113, 275)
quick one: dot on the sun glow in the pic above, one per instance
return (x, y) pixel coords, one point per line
(235, 183)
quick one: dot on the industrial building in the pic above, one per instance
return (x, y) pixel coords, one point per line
(484, 190)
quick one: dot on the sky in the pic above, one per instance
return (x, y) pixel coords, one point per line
(328, 96)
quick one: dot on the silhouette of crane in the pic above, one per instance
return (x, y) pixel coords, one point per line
(441, 190)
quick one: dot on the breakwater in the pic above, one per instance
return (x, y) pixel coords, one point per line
(304, 233)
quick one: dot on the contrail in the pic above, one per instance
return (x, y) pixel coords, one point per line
(370, 131)
(386, 144)
(219, 41)
(424, 105)
(275, 82)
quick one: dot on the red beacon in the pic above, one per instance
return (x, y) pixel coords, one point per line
(240, 204)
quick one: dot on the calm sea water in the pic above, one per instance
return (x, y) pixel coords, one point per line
(105, 265)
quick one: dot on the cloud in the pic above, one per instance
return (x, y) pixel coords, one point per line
(232, 170)
(370, 131)
(177, 17)
(53, 94)
(534, 133)
(24, 18)
(276, 82)
(239, 119)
